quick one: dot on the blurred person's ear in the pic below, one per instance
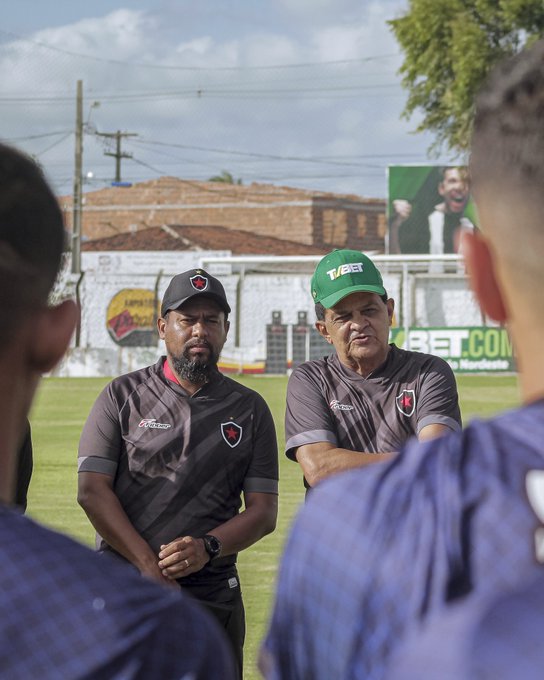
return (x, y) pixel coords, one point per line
(51, 333)
(480, 266)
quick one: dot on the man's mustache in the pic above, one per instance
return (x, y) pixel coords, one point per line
(198, 343)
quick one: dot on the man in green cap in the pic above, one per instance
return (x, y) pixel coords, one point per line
(360, 404)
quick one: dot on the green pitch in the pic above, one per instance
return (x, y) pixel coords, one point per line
(57, 418)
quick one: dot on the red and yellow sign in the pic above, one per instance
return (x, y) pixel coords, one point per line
(131, 317)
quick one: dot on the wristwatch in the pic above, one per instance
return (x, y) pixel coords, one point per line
(212, 545)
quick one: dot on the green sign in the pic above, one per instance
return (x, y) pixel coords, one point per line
(466, 349)
(428, 209)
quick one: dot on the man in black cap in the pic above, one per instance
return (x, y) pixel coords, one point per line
(167, 452)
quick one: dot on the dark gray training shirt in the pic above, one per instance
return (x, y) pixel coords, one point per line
(327, 402)
(180, 462)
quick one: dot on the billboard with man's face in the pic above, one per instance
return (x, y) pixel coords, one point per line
(428, 208)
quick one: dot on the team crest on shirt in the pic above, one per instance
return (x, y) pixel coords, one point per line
(232, 433)
(406, 402)
(199, 282)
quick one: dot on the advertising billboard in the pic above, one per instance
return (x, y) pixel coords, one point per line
(466, 349)
(428, 208)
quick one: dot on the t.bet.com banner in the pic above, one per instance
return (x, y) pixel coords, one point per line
(466, 349)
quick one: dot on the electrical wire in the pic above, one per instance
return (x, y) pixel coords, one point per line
(196, 69)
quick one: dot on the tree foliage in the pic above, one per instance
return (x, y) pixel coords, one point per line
(449, 47)
(225, 177)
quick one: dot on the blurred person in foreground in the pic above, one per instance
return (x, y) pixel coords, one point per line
(376, 553)
(25, 465)
(67, 612)
(493, 637)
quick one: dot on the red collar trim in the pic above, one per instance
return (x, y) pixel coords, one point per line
(168, 373)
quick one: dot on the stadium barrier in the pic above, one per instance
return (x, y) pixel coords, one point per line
(272, 311)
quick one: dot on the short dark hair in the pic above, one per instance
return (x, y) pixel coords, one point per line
(31, 237)
(320, 310)
(507, 165)
(508, 141)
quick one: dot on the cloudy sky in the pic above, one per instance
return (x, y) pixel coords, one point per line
(290, 92)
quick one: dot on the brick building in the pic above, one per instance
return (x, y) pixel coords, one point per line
(324, 220)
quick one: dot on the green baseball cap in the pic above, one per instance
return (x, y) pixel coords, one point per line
(343, 272)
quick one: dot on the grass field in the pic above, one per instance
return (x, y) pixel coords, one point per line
(57, 418)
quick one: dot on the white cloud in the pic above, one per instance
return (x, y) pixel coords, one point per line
(308, 111)
(120, 34)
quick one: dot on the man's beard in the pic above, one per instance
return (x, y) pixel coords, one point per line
(195, 370)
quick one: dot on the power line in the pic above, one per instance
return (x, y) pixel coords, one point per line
(146, 165)
(30, 137)
(196, 69)
(201, 93)
(250, 154)
(198, 185)
(142, 141)
(53, 145)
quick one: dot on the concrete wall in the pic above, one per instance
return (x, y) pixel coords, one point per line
(119, 292)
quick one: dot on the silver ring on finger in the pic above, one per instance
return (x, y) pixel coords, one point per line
(186, 563)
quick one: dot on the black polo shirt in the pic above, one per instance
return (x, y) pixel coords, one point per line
(180, 462)
(328, 402)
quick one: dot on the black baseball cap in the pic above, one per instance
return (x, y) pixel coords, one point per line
(188, 285)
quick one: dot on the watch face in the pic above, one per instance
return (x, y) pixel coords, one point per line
(213, 546)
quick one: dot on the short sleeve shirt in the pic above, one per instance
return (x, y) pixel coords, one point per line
(328, 402)
(479, 638)
(180, 462)
(376, 551)
(68, 612)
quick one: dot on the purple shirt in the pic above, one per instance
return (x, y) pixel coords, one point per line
(70, 613)
(482, 638)
(376, 550)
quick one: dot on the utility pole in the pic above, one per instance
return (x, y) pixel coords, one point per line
(118, 154)
(78, 183)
